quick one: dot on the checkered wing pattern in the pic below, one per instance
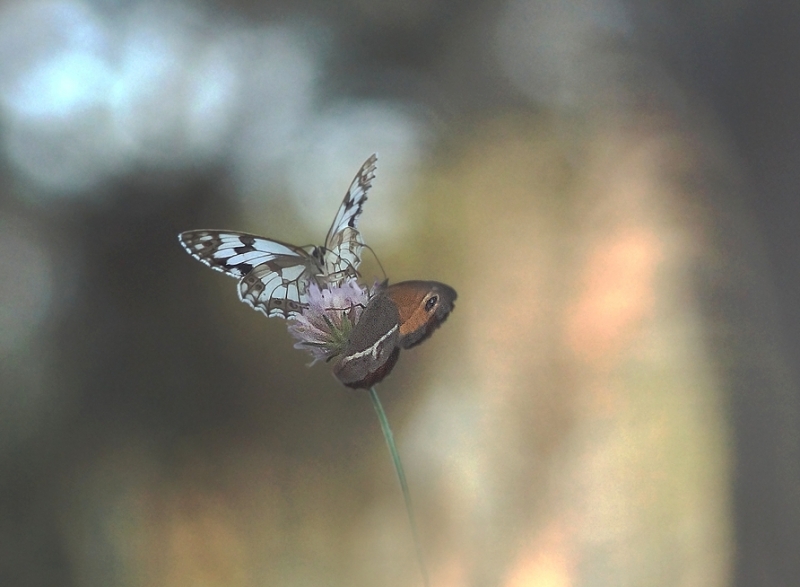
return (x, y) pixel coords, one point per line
(274, 276)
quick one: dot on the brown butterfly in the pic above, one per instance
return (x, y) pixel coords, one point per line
(399, 316)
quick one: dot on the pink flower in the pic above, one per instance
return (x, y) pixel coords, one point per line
(323, 329)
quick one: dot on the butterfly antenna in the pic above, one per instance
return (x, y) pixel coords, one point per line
(366, 246)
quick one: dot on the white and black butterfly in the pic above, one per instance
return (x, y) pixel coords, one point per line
(274, 276)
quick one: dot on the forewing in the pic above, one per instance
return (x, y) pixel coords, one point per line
(353, 203)
(273, 275)
(343, 243)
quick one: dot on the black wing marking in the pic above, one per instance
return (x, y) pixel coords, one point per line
(274, 276)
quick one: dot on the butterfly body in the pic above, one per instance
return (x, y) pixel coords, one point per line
(274, 276)
(399, 316)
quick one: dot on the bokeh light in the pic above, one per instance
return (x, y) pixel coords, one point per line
(563, 53)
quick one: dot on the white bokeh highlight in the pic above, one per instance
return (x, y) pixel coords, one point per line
(86, 97)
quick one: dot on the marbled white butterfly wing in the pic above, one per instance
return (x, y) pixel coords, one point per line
(274, 276)
(343, 244)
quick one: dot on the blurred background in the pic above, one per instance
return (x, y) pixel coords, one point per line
(611, 187)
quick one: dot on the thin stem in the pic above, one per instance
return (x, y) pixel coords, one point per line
(398, 466)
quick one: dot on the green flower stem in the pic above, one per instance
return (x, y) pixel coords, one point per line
(398, 466)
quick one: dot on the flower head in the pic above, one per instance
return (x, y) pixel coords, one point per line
(323, 329)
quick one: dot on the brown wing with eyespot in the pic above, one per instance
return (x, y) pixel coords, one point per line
(399, 316)
(422, 307)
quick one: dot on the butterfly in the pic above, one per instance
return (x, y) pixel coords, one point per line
(274, 276)
(398, 316)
